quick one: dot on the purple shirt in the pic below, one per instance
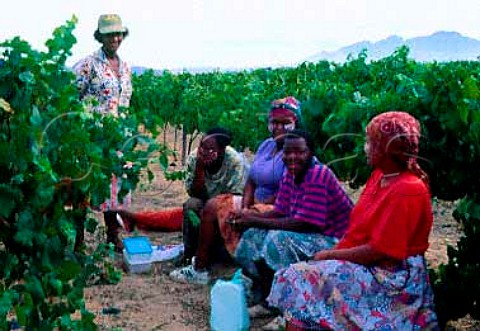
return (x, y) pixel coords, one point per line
(319, 200)
(267, 170)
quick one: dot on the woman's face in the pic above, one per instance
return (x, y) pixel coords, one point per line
(296, 155)
(372, 151)
(279, 126)
(111, 41)
(210, 151)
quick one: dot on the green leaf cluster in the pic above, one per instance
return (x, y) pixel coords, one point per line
(56, 161)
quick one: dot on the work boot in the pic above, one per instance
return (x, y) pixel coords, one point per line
(113, 230)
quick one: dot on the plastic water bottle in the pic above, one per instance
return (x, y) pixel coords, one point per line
(228, 305)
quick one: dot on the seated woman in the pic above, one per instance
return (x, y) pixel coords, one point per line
(375, 277)
(213, 169)
(260, 189)
(310, 213)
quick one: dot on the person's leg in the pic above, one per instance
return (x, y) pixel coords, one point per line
(196, 271)
(283, 248)
(208, 234)
(265, 280)
(190, 228)
(113, 229)
(165, 220)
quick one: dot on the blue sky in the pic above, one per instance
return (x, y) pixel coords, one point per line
(230, 33)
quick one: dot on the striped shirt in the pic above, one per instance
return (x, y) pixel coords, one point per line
(319, 200)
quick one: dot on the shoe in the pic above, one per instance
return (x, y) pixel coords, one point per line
(260, 311)
(188, 274)
(278, 323)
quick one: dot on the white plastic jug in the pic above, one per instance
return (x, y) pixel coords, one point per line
(228, 305)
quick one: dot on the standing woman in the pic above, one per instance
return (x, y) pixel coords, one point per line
(375, 278)
(103, 79)
(105, 84)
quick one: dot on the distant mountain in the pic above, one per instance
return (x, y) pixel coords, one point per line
(194, 70)
(440, 46)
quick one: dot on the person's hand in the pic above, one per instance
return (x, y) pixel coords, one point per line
(206, 156)
(235, 214)
(200, 157)
(239, 224)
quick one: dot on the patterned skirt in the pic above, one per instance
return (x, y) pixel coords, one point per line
(278, 248)
(340, 295)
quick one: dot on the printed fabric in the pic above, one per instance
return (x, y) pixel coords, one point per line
(99, 86)
(278, 248)
(230, 178)
(340, 295)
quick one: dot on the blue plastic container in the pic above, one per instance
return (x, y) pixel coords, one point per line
(138, 248)
(137, 254)
(229, 306)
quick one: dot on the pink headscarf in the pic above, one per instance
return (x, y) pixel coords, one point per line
(402, 128)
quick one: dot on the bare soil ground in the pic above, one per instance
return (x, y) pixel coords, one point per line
(152, 301)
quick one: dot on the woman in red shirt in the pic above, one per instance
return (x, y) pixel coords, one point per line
(375, 277)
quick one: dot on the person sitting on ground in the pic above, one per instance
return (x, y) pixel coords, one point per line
(310, 213)
(260, 189)
(214, 168)
(375, 277)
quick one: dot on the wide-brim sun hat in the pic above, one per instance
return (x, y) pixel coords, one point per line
(110, 23)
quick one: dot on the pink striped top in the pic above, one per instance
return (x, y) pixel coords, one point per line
(319, 200)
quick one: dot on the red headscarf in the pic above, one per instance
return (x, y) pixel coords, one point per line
(402, 128)
(287, 107)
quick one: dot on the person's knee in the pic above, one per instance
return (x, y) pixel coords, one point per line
(276, 236)
(194, 204)
(210, 210)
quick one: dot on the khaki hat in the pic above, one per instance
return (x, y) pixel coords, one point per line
(110, 23)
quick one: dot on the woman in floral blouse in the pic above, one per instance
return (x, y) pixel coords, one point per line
(104, 82)
(103, 79)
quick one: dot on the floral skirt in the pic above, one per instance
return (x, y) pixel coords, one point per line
(340, 295)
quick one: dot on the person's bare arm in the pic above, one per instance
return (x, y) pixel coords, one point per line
(272, 220)
(248, 194)
(363, 254)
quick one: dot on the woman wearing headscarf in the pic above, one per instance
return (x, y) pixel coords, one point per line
(375, 278)
(259, 193)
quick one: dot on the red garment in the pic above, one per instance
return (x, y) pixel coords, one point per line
(393, 215)
(162, 220)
